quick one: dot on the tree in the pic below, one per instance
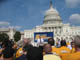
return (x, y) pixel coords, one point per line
(3, 37)
(17, 36)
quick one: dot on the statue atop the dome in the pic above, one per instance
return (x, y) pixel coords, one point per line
(51, 4)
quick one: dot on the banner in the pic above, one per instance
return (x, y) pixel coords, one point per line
(40, 37)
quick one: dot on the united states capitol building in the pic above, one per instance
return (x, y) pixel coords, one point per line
(53, 23)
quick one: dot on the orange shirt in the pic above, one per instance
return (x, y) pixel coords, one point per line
(1, 52)
(68, 43)
(19, 52)
(64, 49)
(64, 56)
(55, 50)
(72, 56)
(73, 50)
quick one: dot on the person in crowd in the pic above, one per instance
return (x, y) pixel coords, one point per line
(51, 41)
(48, 53)
(7, 50)
(26, 41)
(1, 52)
(0, 45)
(69, 45)
(7, 43)
(48, 49)
(63, 48)
(73, 47)
(1, 57)
(24, 51)
(19, 53)
(58, 43)
(34, 53)
(76, 54)
(8, 53)
(15, 46)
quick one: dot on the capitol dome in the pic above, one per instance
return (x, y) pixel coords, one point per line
(52, 15)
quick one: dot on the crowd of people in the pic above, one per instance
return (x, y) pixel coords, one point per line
(60, 50)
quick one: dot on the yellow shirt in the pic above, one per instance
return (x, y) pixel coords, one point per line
(68, 43)
(73, 50)
(72, 56)
(55, 50)
(43, 53)
(64, 56)
(19, 52)
(64, 49)
(1, 52)
(51, 57)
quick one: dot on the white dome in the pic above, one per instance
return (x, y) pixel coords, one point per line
(52, 16)
(51, 11)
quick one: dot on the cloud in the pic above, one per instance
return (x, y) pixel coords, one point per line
(4, 23)
(75, 18)
(15, 27)
(72, 3)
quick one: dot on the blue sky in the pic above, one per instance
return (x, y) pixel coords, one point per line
(26, 14)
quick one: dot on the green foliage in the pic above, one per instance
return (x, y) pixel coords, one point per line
(3, 37)
(17, 36)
